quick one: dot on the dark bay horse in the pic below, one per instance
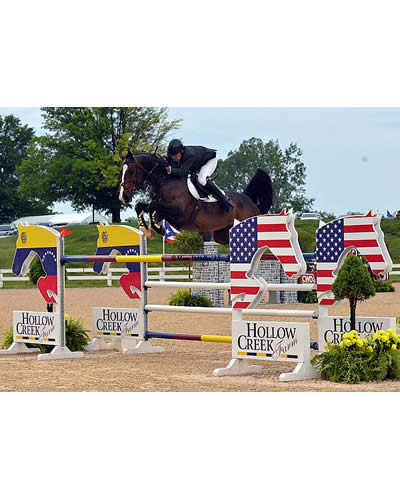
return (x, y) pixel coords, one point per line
(172, 201)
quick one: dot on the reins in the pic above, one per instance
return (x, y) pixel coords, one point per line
(147, 174)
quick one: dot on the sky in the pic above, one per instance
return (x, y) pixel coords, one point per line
(352, 155)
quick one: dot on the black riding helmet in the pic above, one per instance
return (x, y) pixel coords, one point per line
(175, 147)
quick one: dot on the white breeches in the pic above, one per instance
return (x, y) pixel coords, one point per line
(206, 171)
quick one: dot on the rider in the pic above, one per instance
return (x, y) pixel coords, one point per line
(187, 159)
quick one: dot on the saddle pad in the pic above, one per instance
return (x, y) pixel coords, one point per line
(194, 192)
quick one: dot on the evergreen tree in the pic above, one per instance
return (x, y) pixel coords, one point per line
(353, 282)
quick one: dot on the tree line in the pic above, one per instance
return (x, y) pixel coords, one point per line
(77, 160)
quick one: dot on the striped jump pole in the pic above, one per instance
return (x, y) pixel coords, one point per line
(190, 337)
(201, 338)
(123, 259)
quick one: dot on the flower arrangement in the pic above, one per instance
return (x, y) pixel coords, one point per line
(373, 358)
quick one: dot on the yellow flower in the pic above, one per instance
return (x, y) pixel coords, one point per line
(341, 344)
(390, 331)
(359, 343)
(346, 335)
(394, 347)
(66, 317)
(369, 348)
(347, 342)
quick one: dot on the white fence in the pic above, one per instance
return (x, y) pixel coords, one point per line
(4, 278)
(395, 273)
(114, 273)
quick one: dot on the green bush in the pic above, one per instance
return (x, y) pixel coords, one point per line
(383, 286)
(8, 339)
(75, 335)
(185, 298)
(188, 242)
(354, 360)
(36, 271)
(309, 298)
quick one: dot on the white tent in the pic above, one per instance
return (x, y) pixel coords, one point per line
(62, 219)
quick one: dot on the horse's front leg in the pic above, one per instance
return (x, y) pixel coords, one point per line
(156, 219)
(141, 209)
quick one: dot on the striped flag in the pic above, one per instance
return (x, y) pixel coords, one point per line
(170, 232)
(248, 241)
(334, 238)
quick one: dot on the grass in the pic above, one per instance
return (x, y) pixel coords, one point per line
(83, 241)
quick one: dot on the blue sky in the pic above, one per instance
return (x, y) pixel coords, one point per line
(352, 155)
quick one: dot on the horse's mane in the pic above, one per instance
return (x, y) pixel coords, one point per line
(152, 155)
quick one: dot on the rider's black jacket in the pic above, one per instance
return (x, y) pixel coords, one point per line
(193, 158)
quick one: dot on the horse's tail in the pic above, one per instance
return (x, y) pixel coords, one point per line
(260, 191)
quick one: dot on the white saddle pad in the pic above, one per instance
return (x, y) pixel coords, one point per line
(194, 192)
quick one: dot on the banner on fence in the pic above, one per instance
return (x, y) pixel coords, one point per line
(110, 322)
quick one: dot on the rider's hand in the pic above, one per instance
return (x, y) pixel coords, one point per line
(168, 169)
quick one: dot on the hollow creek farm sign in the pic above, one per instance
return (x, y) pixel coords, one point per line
(111, 322)
(36, 327)
(275, 340)
(331, 329)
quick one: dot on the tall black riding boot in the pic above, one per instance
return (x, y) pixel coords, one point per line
(213, 189)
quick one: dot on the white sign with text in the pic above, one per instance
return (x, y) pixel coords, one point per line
(110, 322)
(36, 327)
(331, 329)
(270, 340)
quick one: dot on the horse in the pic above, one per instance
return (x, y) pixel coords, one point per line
(172, 201)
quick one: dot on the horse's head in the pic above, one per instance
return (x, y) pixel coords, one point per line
(132, 178)
(137, 170)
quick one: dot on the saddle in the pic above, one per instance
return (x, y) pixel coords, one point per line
(197, 190)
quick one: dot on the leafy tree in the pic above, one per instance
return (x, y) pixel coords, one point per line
(78, 159)
(188, 242)
(353, 282)
(287, 171)
(14, 141)
(327, 216)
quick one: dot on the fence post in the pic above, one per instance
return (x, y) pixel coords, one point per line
(109, 277)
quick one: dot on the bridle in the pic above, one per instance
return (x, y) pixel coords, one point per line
(133, 183)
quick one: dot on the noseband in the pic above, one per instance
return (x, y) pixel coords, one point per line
(133, 183)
